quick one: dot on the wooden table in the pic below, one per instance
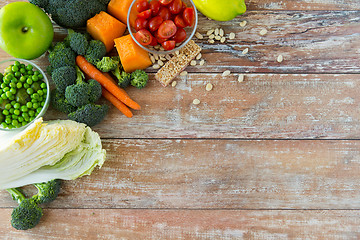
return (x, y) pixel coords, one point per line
(274, 157)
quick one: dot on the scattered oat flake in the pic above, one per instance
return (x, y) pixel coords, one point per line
(209, 87)
(199, 35)
(161, 63)
(183, 73)
(245, 51)
(196, 101)
(152, 58)
(241, 77)
(217, 31)
(243, 23)
(211, 31)
(198, 57)
(226, 73)
(212, 36)
(193, 63)
(223, 39)
(156, 66)
(221, 32)
(202, 62)
(263, 32)
(232, 36)
(280, 58)
(211, 41)
(173, 84)
(217, 37)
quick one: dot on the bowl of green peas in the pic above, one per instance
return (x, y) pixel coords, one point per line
(24, 93)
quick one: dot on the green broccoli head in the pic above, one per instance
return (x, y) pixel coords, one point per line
(62, 57)
(95, 51)
(60, 103)
(40, 3)
(78, 94)
(139, 78)
(28, 214)
(107, 64)
(77, 41)
(123, 77)
(64, 77)
(90, 114)
(95, 90)
(47, 191)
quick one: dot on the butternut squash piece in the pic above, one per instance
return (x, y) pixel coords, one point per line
(132, 56)
(105, 28)
(120, 8)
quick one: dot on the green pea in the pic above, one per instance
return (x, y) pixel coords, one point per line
(17, 112)
(29, 81)
(29, 67)
(24, 108)
(35, 105)
(40, 92)
(12, 97)
(17, 63)
(17, 74)
(6, 89)
(30, 72)
(20, 119)
(14, 116)
(3, 85)
(8, 94)
(40, 76)
(35, 96)
(4, 125)
(5, 112)
(22, 79)
(29, 104)
(19, 85)
(15, 68)
(8, 106)
(31, 113)
(15, 122)
(26, 85)
(13, 90)
(30, 91)
(17, 105)
(11, 110)
(9, 76)
(3, 96)
(8, 120)
(35, 78)
(22, 70)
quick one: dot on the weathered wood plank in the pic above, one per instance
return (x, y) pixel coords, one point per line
(187, 224)
(263, 106)
(220, 174)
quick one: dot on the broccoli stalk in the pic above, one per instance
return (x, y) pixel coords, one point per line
(107, 64)
(139, 78)
(90, 114)
(47, 191)
(28, 214)
(123, 77)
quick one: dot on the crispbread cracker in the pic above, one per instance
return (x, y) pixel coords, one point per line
(177, 63)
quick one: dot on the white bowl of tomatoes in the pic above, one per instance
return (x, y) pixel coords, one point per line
(162, 26)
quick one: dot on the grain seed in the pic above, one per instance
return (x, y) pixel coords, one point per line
(202, 62)
(226, 73)
(173, 84)
(217, 37)
(152, 58)
(161, 63)
(209, 87)
(223, 39)
(156, 66)
(183, 73)
(280, 58)
(241, 77)
(162, 57)
(221, 32)
(217, 31)
(162, 49)
(212, 36)
(232, 36)
(198, 57)
(243, 23)
(263, 32)
(211, 41)
(156, 57)
(168, 57)
(245, 51)
(210, 32)
(196, 101)
(157, 47)
(199, 35)
(193, 63)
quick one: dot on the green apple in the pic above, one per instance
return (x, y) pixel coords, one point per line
(25, 30)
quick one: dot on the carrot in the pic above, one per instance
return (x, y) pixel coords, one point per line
(117, 103)
(109, 85)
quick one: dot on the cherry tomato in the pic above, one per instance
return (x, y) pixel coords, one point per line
(165, 2)
(168, 45)
(164, 13)
(145, 14)
(189, 16)
(158, 38)
(155, 23)
(183, 6)
(141, 23)
(144, 37)
(167, 29)
(142, 5)
(154, 42)
(179, 36)
(176, 6)
(179, 21)
(155, 7)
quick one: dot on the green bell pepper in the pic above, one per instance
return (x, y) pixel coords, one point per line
(221, 10)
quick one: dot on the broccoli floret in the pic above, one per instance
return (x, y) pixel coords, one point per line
(62, 56)
(139, 78)
(95, 90)
(95, 51)
(28, 214)
(78, 94)
(40, 3)
(90, 114)
(77, 41)
(107, 64)
(123, 77)
(47, 191)
(60, 103)
(63, 77)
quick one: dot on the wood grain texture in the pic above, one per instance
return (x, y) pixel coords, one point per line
(187, 224)
(282, 106)
(218, 174)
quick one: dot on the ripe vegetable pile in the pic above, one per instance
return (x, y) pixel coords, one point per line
(23, 94)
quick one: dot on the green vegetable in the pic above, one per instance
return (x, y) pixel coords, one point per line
(47, 191)
(107, 64)
(61, 149)
(63, 77)
(90, 114)
(71, 13)
(28, 214)
(77, 41)
(59, 102)
(139, 78)
(61, 56)
(223, 10)
(95, 51)
(83, 92)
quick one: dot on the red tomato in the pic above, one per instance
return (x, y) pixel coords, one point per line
(158, 38)
(140, 23)
(144, 37)
(179, 21)
(168, 45)
(189, 16)
(164, 13)
(155, 23)
(183, 6)
(142, 5)
(154, 42)
(145, 14)
(165, 2)
(155, 7)
(167, 29)
(179, 36)
(176, 6)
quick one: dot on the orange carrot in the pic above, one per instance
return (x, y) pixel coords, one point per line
(94, 73)
(117, 103)
(111, 79)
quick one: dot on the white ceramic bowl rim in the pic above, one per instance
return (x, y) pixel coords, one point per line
(47, 101)
(162, 52)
